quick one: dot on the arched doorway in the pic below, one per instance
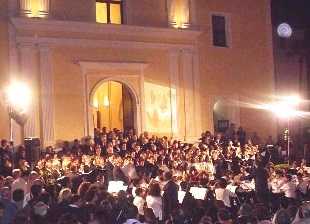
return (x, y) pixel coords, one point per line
(113, 106)
(225, 113)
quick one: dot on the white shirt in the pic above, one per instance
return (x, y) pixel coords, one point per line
(132, 221)
(156, 204)
(19, 183)
(276, 184)
(289, 190)
(223, 195)
(139, 203)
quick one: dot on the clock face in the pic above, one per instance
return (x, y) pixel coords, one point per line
(285, 30)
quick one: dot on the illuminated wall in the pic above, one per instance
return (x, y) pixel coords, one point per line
(160, 108)
(108, 106)
(178, 13)
(34, 8)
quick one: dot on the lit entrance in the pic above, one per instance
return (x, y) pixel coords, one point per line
(224, 114)
(113, 106)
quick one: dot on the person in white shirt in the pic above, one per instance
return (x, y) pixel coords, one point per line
(154, 200)
(277, 182)
(139, 200)
(289, 188)
(223, 194)
(19, 182)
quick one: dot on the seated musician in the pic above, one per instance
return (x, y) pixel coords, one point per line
(223, 194)
(303, 185)
(289, 188)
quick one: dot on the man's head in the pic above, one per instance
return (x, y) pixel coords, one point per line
(18, 195)
(16, 173)
(168, 175)
(6, 193)
(4, 143)
(224, 216)
(131, 212)
(36, 190)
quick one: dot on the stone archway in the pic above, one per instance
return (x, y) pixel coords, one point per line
(226, 111)
(114, 104)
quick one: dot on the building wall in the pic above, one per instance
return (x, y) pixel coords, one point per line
(68, 81)
(244, 70)
(71, 10)
(4, 119)
(199, 73)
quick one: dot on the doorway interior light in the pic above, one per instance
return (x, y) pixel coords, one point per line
(106, 101)
(96, 103)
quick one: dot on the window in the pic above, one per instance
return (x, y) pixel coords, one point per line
(178, 12)
(109, 11)
(219, 31)
(34, 8)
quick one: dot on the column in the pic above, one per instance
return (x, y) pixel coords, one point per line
(197, 94)
(189, 96)
(174, 91)
(47, 97)
(142, 101)
(28, 74)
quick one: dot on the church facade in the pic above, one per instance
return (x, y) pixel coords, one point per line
(169, 67)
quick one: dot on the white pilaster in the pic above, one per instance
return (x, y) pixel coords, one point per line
(174, 91)
(197, 94)
(47, 97)
(28, 74)
(142, 103)
(187, 64)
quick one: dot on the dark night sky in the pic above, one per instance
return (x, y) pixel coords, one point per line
(295, 12)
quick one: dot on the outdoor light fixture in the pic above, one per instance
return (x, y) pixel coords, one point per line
(18, 96)
(285, 107)
(18, 99)
(285, 30)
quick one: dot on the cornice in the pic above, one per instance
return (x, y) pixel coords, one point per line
(37, 25)
(100, 65)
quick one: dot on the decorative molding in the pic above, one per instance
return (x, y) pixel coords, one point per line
(36, 25)
(53, 41)
(228, 28)
(88, 66)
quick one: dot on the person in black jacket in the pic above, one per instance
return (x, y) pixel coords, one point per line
(170, 196)
(261, 183)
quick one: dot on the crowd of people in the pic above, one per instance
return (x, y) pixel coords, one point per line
(121, 178)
